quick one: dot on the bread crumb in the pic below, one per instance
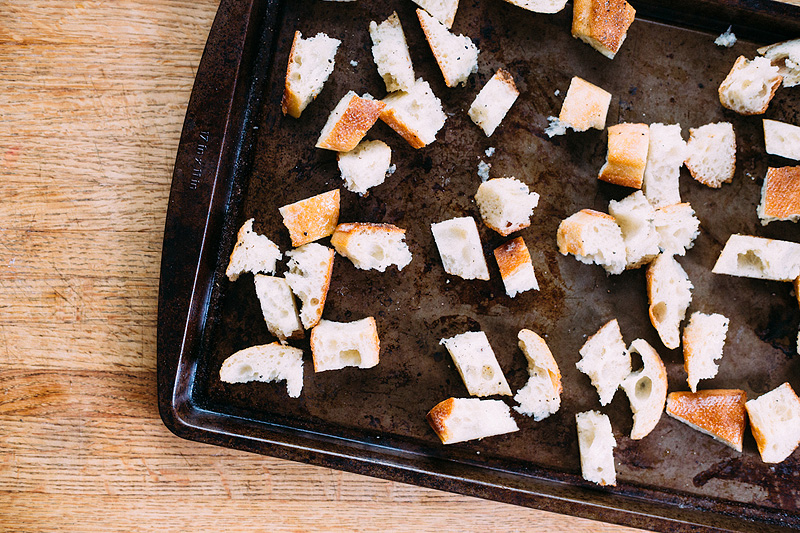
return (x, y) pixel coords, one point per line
(489, 151)
(391, 170)
(726, 39)
(556, 127)
(483, 170)
(353, 62)
(557, 93)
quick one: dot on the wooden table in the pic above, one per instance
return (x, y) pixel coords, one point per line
(92, 100)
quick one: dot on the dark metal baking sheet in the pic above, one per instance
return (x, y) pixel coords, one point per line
(240, 158)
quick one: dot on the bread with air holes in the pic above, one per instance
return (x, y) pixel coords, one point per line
(703, 340)
(785, 56)
(636, 218)
(516, 267)
(750, 86)
(782, 139)
(267, 363)
(493, 102)
(711, 154)
(372, 246)
(775, 422)
(365, 166)
(477, 364)
(506, 204)
(669, 292)
(311, 62)
(758, 257)
(278, 307)
(309, 276)
(460, 248)
(462, 419)
(336, 345)
(593, 237)
(251, 253)
(390, 52)
(541, 395)
(677, 228)
(605, 360)
(646, 389)
(596, 443)
(416, 114)
(665, 155)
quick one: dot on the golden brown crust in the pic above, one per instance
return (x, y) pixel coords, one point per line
(740, 62)
(290, 103)
(389, 116)
(797, 290)
(719, 412)
(602, 23)
(569, 232)
(762, 439)
(627, 155)
(358, 118)
(438, 416)
(782, 192)
(312, 218)
(507, 79)
(511, 256)
(325, 287)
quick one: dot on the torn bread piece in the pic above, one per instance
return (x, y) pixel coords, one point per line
(677, 228)
(506, 204)
(493, 102)
(309, 276)
(390, 52)
(416, 114)
(312, 218)
(540, 6)
(462, 419)
(267, 363)
(456, 55)
(760, 258)
(775, 422)
(782, 139)
(596, 444)
(311, 61)
(584, 107)
(785, 56)
(335, 345)
(719, 413)
(593, 237)
(780, 195)
(646, 389)
(541, 395)
(602, 24)
(605, 360)
(477, 364)
(627, 155)
(635, 217)
(669, 292)
(460, 248)
(711, 154)
(516, 267)
(349, 121)
(252, 253)
(278, 307)
(443, 10)
(372, 246)
(665, 155)
(703, 340)
(750, 86)
(365, 166)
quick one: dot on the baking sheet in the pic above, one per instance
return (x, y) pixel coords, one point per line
(663, 73)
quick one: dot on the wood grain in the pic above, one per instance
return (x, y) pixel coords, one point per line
(93, 99)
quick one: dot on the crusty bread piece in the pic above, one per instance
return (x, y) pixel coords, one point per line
(335, 345)
(775, 422)
(780, 195)
(627, 155)
(415, 114)
(665, 156)
(540, 6)
(252, 253)
(443, 10)
(493, 102)
(596, 443)
(605, 360)
(349, 121)
(602, 24)
(312, 218)
(456, 55)
(477, 364)
(750, 86)
(365, 166)
(719, 413)
(278, 307)
(390, 52)
(309, 276)
(757, 257)
(372, 246)
(541, 395)
(311, 61)
(677, 228)
(669, 292)
(782, 139)
(506, 204)
(703, 340)
(711, 154)
(646, 389)
(462, 419)
(785, 56)
(592, 236)
(635, 217)
(460, 248)
(585, 106)
(516, 267)
(268, 362)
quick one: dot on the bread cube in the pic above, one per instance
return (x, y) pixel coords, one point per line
(775, 422)
(593, 237)
(785, 56)
(677, 228)
(460, 248)
(493, 102)
(719, 413)
(780, 195)
(278, 307)
(516, 267)
(585, 106)
(506, 204)
(415, 114)
(636, 218)
(757, 257)
(456, 55)
(365, 166)
(605, 360)
(602, 24)
(311, 61)
(782, 139)
(267, 363)
(627, 155)
(251, 253)
(596, 444)
(349, 121)
(443, 10)
(703, 340)
(669, 292)
(750, 86)
(311, 219)
(336, 345)
(711, 154)
(309, 276)
(390, 52)
(665, 155)
(477, 364)
(541, 395)
(372, 246)
(462, 419)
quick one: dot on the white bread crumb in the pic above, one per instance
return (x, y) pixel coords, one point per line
(493, 102)
(415, 114)
(372, 246)
(782, 139)
(757, 257)
(785, 56)
(646, 389)
(711, 153)
(268, 362)
(309, 276)
(278, 307)
(311, 61)
(726, 39)
(635, 217)
(477, 364)
(665, 156)
(677, 228)
(750, 86)
(593, 237)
